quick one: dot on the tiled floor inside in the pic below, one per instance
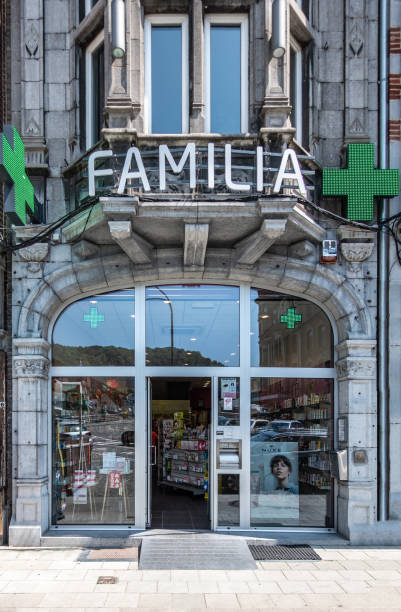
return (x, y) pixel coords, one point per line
(176, 509)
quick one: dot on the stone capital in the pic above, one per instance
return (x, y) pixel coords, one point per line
(363, 367)
(31, 367)
(31, 347)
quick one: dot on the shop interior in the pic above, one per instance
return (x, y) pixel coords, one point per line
(181, 425)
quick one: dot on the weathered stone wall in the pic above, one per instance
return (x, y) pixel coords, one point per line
(343, 40)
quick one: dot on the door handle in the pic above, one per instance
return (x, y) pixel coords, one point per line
(153, 455)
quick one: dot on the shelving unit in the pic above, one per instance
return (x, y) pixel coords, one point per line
(185, 468)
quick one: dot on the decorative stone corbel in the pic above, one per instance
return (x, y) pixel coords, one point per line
(356, 245)
(249, 250)
(139, 250)
(35, 254)
(195, 243)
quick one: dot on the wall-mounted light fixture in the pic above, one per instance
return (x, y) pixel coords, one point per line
(278, 28)
(118, 28)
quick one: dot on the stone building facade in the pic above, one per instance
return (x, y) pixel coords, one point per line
(309, 82)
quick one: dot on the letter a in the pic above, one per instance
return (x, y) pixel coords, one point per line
(289, 154)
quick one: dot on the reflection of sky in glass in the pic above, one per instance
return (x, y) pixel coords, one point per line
(166, 79)
(225, 79)
(117, 329)
(205, 319)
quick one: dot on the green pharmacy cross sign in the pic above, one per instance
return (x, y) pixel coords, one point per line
(19, 192)
(361, 182)
(94, 317)
(291, 318)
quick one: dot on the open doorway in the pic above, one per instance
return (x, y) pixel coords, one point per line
(180, 418)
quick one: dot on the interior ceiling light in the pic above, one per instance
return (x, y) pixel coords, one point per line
(264, 316)
(193, 339)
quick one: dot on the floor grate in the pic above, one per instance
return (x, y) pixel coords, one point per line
(107, 580)
(284, 552)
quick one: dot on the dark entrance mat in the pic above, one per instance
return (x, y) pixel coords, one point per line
(195, 552)
(283, 552)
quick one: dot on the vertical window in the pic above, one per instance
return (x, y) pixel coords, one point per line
(226, 73)
(166, 74)
(84, 7)
(94, 81)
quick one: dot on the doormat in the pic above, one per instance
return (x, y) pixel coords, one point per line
(110, 554)
(283, 552)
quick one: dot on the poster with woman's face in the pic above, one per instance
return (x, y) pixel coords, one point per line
(274, 482)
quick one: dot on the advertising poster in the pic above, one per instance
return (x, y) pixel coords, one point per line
(227, 403)
(274, 482)
(229, 387)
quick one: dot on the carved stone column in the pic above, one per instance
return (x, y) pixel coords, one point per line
(32, 72)
(120, 108)
(356, 71)
(30, 442)
(197, 118)
(276, 107)
(356, 369)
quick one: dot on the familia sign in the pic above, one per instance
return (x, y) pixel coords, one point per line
(134, 169)
(360, 183)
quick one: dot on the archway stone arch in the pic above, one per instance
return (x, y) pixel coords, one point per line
(59, 284)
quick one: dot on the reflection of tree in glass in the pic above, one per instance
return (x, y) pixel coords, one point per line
(162, 356)
(92, 355)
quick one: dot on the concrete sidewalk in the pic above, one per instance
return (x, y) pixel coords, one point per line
(347, 578)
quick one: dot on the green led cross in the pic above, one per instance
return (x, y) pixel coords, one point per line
(94, 318)
(360, 182)
(291, 318)
(19, 190)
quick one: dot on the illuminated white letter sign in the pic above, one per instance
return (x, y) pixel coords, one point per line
(296, 175)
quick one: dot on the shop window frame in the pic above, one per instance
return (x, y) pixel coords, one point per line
(178, 19)
(228, 19)
(245, 371)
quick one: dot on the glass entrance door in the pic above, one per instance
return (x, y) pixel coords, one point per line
(179, 443)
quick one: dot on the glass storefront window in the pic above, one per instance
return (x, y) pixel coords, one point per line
(192, 325)
(290, 474)
(93, 421)
(289, 332)
(229, 401)
(97, 331)
(228, 508)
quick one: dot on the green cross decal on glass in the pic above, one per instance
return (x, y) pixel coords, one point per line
(291, 318)
(361, 182)
(19, 193)
(94, 318)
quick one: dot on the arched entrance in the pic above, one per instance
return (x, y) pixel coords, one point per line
(64, 284)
